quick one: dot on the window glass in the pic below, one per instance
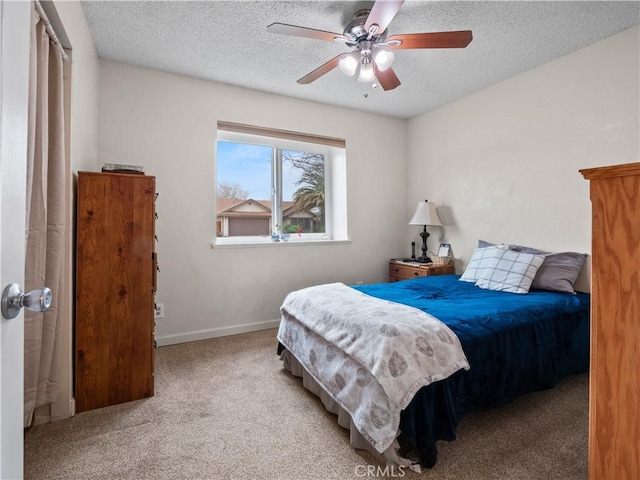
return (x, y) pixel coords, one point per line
(278, 189)
(303, 192)
(243, 191)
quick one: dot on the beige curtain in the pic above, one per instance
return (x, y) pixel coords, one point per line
(45, 219)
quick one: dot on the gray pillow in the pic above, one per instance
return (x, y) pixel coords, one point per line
(559, 272)
(523, 249)
(514, 247)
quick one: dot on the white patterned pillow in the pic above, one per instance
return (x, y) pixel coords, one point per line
(506, 270)
(477, 263)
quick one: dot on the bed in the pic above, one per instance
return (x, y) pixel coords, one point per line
(513, 344)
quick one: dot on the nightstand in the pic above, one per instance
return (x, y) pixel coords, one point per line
(405, 271)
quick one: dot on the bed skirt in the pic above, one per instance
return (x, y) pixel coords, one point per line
(388, 457)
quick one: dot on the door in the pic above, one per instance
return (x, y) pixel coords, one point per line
(14, 82)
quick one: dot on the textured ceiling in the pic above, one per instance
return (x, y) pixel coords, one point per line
(228, 42)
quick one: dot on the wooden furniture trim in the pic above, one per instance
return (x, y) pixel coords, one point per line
(614, 381)
(611, 171)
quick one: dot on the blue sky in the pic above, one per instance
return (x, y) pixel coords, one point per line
(250, 167)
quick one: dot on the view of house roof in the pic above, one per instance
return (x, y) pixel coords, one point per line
(253, 208)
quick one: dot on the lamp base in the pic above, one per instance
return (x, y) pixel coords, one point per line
(423, 258)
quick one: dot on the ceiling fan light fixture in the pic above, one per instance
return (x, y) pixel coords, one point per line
(366, 73)
(383, 58)
(349, 63)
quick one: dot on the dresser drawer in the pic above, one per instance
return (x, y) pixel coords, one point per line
(399, 271)
(404, 272)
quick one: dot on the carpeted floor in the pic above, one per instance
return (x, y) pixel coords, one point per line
(225, 409)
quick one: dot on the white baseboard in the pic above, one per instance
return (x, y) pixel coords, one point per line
(215, 332)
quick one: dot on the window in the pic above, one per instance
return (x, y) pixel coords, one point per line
(274, 184)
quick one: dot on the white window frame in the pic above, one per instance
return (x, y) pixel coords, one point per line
(335, 182)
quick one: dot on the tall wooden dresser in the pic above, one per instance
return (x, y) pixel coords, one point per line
(115, 286)
(614, 388)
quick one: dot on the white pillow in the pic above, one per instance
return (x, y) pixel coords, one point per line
(477, 263)
(506, 270)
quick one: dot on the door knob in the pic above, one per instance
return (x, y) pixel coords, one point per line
(13, 299)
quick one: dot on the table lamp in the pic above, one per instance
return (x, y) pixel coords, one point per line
(425, 215)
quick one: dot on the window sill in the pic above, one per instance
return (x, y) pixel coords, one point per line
(270, 244)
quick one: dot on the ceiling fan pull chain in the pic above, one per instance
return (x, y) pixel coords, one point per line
(372, 85)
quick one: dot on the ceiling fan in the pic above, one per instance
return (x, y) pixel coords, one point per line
(372, 54)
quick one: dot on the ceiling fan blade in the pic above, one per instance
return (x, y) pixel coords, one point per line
(382, 13)
(321, 70)
(296, 31)
(458, 39)
(387, 79)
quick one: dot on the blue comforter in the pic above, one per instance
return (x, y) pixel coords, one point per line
(515, 344)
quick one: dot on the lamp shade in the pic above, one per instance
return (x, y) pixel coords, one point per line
(349, 63)
(426, 214)
(383, 58)
(366, 73)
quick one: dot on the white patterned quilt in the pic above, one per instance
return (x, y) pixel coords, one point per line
(371, 355)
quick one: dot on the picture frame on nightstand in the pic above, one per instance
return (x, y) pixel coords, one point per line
(444, 250)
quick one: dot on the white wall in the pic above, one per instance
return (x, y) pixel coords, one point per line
(502, 164)
(84, 79)
(167, 123)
